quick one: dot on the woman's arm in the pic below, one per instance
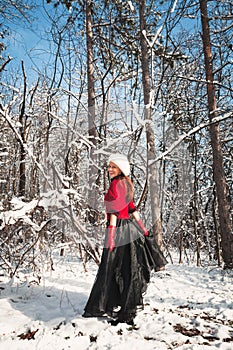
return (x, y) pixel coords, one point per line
(113, 220)
(112, 232)
(136, 216)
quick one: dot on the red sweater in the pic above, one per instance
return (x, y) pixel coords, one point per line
(116, 199)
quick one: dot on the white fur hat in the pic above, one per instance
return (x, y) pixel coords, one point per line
(121, 161)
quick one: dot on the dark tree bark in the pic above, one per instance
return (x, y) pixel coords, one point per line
(90, 74)
(151, 152)
(218, 165)
(218, 240)
(22, 131)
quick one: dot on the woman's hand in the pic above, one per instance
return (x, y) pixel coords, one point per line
(142, 227)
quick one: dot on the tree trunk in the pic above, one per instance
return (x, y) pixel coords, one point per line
(218, 241)
(218, 166)
(195, 203)
(93, 173)
(151, 153)
(181, 245)
(22, 164)
(90, 75)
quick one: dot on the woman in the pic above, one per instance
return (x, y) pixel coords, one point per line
(128, 255)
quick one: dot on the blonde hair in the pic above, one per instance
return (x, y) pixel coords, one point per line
(129, 188)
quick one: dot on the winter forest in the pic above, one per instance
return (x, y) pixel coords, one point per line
(150, 79)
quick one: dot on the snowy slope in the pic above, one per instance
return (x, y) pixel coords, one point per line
(185, 308)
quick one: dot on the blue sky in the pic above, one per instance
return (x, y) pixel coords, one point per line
(27, 41)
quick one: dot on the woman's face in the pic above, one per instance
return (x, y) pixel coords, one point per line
(113, 170)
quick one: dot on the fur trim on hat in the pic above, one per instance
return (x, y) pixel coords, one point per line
(121, 161)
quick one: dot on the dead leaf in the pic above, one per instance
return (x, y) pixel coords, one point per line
(188, 332)
(93, 338)
(28, 335)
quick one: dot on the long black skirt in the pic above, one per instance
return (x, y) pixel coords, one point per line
(124, 273)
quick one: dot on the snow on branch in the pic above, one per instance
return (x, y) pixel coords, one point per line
(83, 138)
(26, 148)
(188, 134)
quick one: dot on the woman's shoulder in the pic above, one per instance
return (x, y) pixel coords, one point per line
(117, 184)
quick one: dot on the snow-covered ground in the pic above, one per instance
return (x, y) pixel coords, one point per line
(185, 308)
